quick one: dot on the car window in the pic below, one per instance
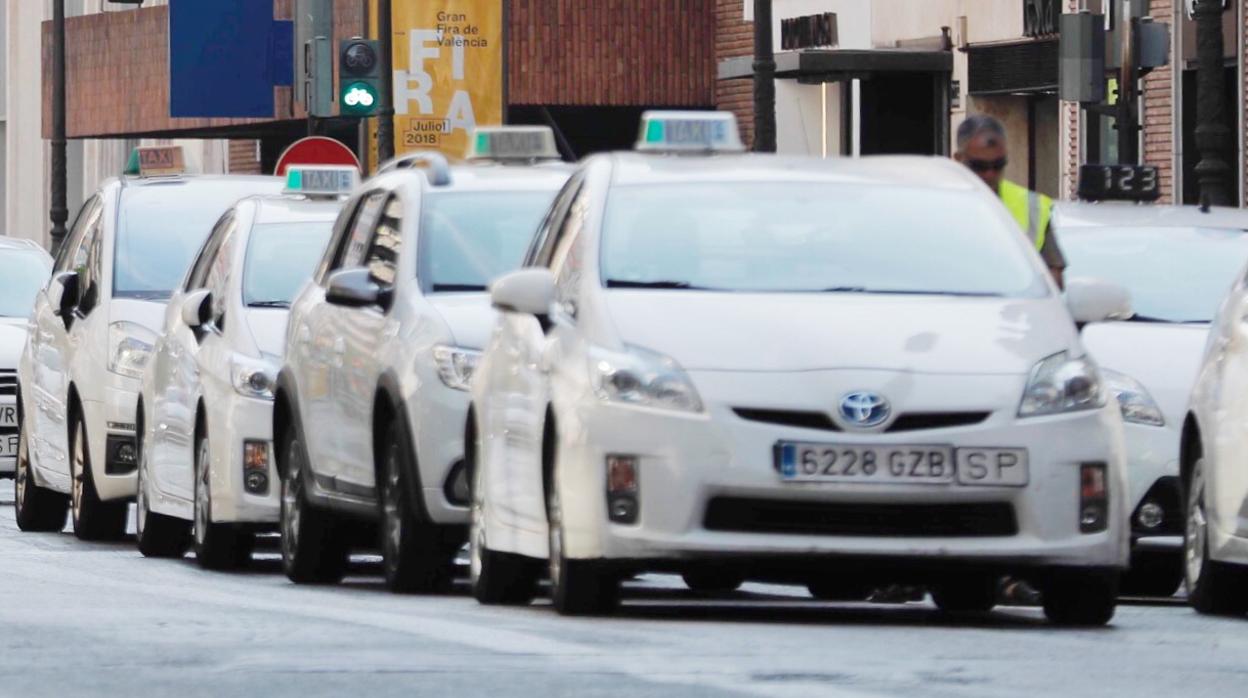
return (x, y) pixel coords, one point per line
(199, 269)
(342, 228)
(280, 258)
(73, 240)
(469, 238)
(539, 251)
(217, 278)
(22, 274)
(567, 261)
(382, 258)
(355, 247)
(91, 253)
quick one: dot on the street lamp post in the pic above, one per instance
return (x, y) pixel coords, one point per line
(60, 209)
(1212, 134)
(764, 80)
(385, 113)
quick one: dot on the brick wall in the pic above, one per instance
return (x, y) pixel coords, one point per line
(734, 37)
(1158, 111)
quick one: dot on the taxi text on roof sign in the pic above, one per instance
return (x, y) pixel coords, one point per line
(156, 161)
(689, 131)
(323, 180)
(513, 143)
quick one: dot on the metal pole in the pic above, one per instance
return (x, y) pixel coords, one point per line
(60, 209)
(764, 80)
(1212, 134)
(385, 115)
(1128, 77)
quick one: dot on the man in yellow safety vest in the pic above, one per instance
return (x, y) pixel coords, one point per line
(982, 148)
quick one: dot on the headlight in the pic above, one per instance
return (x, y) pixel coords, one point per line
(1138, 407)
(130, 346)
(643, 378)
(253, 378)
(456, 365)
(1061, 384)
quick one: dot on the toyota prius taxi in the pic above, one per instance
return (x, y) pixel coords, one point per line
(766, 368)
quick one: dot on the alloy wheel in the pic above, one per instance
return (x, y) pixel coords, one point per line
(22, 476)
(291, 503)
(78, 471)
(202, 502)
(392, 518)
(1197, 530)
(555, 517)
(140, 498)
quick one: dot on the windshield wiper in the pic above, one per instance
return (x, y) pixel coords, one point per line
(1146, 318)
(624, 283)
(269, 304)
(452, 288)
(903, 292)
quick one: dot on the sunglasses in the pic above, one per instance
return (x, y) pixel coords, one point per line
(987, 165)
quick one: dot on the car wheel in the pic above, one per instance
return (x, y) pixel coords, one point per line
(577, 587)
(417, 556)
(93, 518)
(1153, 574)
(35, 508)
(217, 546)
(497, 579)
(712, 581)
(839, 590)
(1080, 599)
(313, 550)
(1214, 588)
(966, 594)
(157, 535)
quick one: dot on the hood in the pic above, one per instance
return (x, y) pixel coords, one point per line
(12, 341)
(1165, 358)
(268, 329)
(804, 332)
(469, 315)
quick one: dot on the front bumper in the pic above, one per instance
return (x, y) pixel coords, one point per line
(438, 416)
(110, 426)
(687, 462)
(242, 420)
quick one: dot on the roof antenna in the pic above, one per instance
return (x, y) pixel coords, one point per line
(1205, 203)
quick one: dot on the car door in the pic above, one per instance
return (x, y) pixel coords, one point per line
(363, 331)
(51, 364)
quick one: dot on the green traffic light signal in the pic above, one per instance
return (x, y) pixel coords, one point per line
(359, 99)
(359, 70)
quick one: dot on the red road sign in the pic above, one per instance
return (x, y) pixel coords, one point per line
(315, 150)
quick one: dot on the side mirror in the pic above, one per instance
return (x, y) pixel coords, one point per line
(1093, 300)
(197, 308)
(530, 291)
(63, 293)
(353, 288)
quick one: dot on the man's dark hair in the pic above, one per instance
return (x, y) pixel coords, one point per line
(976, 125)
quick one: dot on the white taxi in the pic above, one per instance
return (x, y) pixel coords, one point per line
(205, 412)
(767, 367)
(1177, 263)
(371, 400)
(24, 269)
(95, 325)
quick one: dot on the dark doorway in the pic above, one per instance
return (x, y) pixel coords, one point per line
(1191, 154)
(899, 115)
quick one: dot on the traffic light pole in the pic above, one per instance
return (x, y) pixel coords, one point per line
(60, 209)
(1212, 134)
(764, 80)
(385, 114)
(1128, 93)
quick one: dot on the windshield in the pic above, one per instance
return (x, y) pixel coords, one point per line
(280, 258)
(1173, 274)
(812, 237)
(469, 238)
(22, 274)
(162, 226)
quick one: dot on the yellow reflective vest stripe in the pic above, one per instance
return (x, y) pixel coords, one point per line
(1030, 209)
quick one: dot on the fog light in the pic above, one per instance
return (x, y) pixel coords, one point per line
(1150, 515)
(1093, 498)
(622, 489)
(256, 467)
(125, 454)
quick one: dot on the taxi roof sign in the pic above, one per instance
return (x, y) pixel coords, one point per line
(156, 161)
(513, 143)
(689, 132)
(321, 180)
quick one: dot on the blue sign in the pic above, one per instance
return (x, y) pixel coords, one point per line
(225, 58)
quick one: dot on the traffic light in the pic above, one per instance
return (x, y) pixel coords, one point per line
(359, 77)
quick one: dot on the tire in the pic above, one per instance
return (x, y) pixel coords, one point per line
(1075, 599)
(1152, 573)
(966, 595)
(36, 509)
(156, 535)
(712, 581)
(217, 546)
(93, 518)
(314, 550)
(497, 579)
(839, 590)
(417, 556)
(1213, 588)
(577, 587)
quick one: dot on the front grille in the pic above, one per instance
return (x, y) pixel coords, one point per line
(741, 515)
(910, 421)
(8, 382)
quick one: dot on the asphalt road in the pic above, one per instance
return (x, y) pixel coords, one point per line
(78, 619)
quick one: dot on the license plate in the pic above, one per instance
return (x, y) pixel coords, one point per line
(910, 464)
(8, 446)
(8, 416)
